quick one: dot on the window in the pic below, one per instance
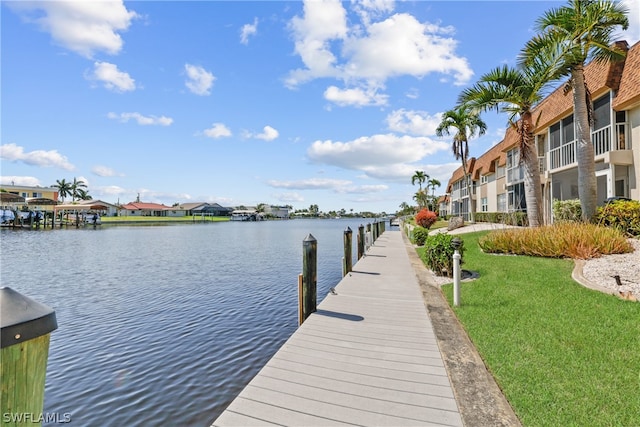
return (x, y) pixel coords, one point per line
(484, 204)
(502, 202)
(514, 170)
(36, 194)
(540, 144)
(568, 133)
(517, 200)
(484, 179)
(601, 112)
(554, 136)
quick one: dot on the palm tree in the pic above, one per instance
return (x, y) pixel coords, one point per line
(421, 198)
(82, 194)
(77, 185)
(577, 32)
(419, 176)
(516, 91)
(433, 183)
(466, 123)
(64, 188)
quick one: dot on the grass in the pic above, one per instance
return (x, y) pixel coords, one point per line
(563, 355)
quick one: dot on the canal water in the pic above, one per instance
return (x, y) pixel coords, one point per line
(165, 325)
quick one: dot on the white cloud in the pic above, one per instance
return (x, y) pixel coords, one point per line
(413, 122)
(199, 81)
(84, 27)
(335, 185)
(322, 21)
(374, 151)
(104, 171)
(248, 30)
(357, 97)
(51, 158)
(112, 78)
(142, 120)
(268, 134)
(366, 54)
(217, 130)
(289, 197)
(27, 181)
(401, 45)
(632, 35)
(370, 9)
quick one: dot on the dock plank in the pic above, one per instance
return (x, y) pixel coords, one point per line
(367, 357)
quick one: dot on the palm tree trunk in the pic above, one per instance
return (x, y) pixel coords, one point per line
(531, 170)
(587, 184)
(472, 215)
(532, 190)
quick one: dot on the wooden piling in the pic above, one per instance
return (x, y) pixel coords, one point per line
(24, 349)
(360, 241)
(348, 258)
(309, 276)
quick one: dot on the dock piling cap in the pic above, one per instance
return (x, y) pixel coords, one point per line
(22, 318)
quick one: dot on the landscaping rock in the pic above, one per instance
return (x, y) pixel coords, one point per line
(455, 222)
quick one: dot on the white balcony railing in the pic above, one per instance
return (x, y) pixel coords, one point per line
(566, 155)
(601, 140)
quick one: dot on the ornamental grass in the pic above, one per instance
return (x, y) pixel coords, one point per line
(560, 240)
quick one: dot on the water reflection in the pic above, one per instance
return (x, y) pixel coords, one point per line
(164, 325)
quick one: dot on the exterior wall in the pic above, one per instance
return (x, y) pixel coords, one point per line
(277, 211)
(634, 173)
(29, 192)
(492, 193)
(176, 212)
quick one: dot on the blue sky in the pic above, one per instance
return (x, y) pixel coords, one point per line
(296, 103)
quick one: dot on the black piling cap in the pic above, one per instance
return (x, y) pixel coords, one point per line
(309, 239)
(22, 318)
(348, 230)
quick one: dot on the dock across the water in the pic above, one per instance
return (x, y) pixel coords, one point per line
(367, 357)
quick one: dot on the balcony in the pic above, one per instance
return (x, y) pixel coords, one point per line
(603, 146)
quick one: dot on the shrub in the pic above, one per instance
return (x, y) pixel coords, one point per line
(622, 214)
(425, 218)
(567, 210)
(420, 235)
(508, 218)
(561, 240)
(438, 254)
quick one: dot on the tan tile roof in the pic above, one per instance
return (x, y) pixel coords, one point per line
(459, 173)
(629, 93)
(486, 163)
(144, 206)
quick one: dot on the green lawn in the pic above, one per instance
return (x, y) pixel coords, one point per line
(563, 355)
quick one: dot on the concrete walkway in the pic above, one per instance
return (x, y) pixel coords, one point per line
(367, 357)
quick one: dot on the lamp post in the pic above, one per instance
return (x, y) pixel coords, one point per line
(456, 243)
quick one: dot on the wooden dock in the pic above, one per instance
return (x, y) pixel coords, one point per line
(367, 357)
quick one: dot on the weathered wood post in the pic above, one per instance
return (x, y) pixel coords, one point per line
(369, 237)
(309, 276)
(360, 241)
(24, 348)
(347, 262)
(375, 230)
